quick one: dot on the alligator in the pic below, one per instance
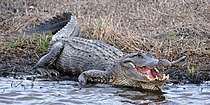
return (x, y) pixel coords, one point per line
(96, 61)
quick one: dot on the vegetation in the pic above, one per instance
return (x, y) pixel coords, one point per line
(39, 43)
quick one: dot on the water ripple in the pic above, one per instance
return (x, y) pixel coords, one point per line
(18, 92)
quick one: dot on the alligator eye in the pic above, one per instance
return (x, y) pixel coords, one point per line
(127, 61)
(140, 55)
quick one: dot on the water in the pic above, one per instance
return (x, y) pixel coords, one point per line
(19, 92)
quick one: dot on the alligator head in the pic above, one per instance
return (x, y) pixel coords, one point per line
(141, 70)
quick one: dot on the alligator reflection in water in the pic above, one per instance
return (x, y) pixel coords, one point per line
(137, 97)
(16, 91)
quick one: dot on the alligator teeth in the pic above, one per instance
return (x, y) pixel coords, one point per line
(132, 65)
(156, 70)
(156, 77)
(90, 79)
(167, 77)
(164, 76)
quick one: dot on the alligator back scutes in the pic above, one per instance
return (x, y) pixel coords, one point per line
(101, 44)
(101, 48)
(72, 29)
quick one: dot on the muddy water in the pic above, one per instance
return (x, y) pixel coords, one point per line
(20, 91)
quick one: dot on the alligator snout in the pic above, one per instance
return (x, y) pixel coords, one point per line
(163, 63)
(146, 59)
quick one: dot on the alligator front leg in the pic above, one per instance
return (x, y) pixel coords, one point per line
(48, 59)
(94, 76)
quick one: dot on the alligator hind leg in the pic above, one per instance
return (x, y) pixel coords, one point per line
(97, 76)
(47, 60)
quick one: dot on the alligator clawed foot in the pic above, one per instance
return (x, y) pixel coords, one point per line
(82, 81)
(44, 72)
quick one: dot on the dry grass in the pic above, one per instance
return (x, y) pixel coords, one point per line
(167, 28)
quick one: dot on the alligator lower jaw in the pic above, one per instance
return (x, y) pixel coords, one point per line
(152, 73)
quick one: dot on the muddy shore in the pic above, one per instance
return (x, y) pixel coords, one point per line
(16, 61)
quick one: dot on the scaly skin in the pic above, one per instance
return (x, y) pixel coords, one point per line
(95, 61)
(51, 26)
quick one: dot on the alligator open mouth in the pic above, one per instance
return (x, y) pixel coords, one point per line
(151, 73)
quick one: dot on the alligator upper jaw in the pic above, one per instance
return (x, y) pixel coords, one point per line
(151, 73)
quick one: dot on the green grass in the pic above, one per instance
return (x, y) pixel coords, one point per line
(191, 70)
(171, 37)
(39, 43)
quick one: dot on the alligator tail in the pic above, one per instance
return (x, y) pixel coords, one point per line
(52, 25)
(71, 29)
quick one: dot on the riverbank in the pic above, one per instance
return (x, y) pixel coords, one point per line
(168, 29)
(19, 55)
